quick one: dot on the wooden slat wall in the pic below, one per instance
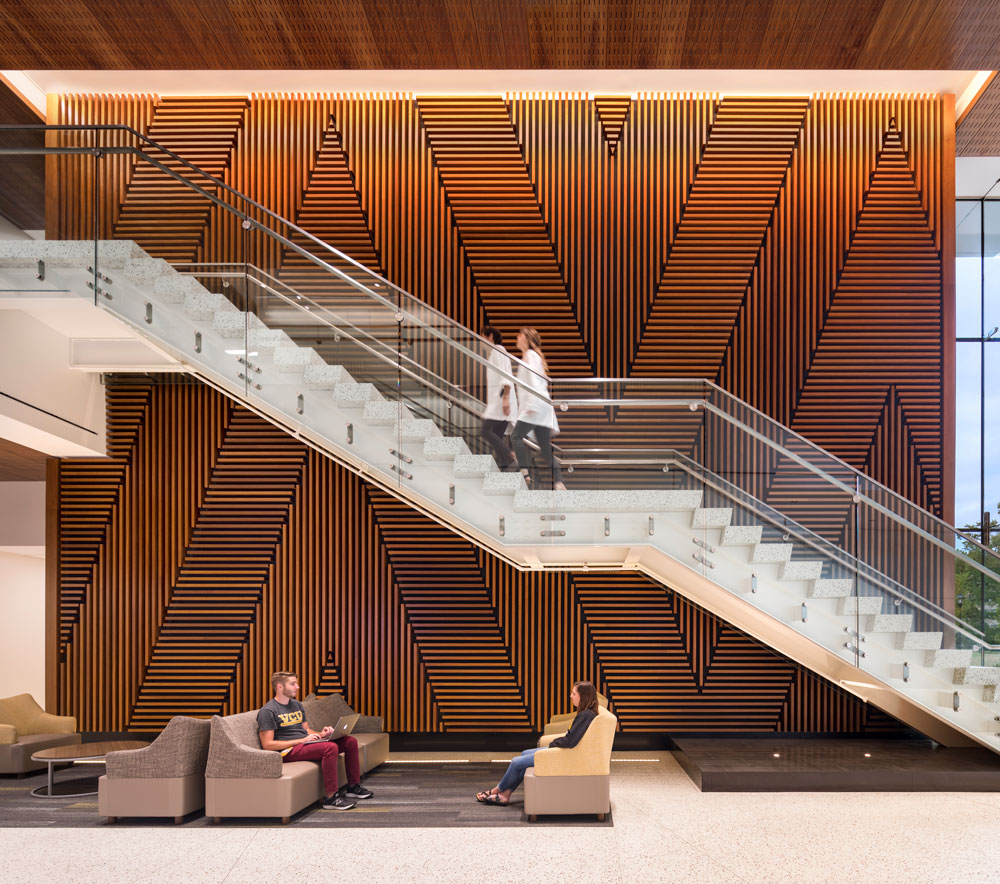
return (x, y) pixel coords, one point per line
(614, 225)
(233, 550)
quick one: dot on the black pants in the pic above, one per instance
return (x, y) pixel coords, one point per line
(543, 435)
(493, 432)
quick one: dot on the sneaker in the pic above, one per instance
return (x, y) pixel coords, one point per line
(357, 791)
(337, 802)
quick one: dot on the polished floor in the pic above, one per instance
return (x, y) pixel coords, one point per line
(810, 764)
(664, 830)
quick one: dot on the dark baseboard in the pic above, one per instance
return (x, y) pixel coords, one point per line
(636, 741)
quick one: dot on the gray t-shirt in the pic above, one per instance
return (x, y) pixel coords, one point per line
(285, 720)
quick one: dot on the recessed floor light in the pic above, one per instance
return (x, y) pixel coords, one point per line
(428, 761)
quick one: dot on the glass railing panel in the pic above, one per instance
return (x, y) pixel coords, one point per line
(277, 303)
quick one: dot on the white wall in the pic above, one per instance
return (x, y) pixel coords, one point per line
(22, 625)
(22, 514)
(34, 368)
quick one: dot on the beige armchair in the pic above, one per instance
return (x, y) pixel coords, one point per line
(559, 724)
(167, 778)
(577, 780)
(243, 780)
(26, 728)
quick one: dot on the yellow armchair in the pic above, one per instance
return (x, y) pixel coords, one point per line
(559, 724)
(25, 728)
(577, 780)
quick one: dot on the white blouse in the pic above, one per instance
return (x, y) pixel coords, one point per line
(534, 410)
(495, 382)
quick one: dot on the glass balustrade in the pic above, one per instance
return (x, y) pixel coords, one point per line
(353, 365)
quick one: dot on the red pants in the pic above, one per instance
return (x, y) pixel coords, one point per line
(326, 754)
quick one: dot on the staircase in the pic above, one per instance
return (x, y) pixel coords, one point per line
(388, 389)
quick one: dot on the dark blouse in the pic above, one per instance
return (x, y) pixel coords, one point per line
(576, 730)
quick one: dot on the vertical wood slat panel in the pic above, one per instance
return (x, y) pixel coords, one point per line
(609, 221)
(377, 601)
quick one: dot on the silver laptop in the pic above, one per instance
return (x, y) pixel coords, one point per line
(343, 727)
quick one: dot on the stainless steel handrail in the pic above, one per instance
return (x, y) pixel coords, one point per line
(446, 321)
(714, 388)
(119, 149)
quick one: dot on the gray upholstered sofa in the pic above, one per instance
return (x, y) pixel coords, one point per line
(167, 778)
(25, 728)
(243, 780)
(373, 744)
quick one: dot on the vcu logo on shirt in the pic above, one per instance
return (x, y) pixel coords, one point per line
(287, 718)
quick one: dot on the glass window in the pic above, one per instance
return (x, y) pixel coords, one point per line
(969, 269)
(968, 449)
(991, 271)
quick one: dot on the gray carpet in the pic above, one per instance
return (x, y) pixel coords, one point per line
(406, 796)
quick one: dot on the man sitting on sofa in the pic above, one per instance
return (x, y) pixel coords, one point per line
(283, 728)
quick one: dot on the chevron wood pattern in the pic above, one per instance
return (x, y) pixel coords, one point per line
(235, 551)
(612, 111)
(727, 212)
(795, 251)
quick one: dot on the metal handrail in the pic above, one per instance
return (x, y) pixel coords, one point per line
(784, 523)
(715, 388)
(248, 219)
(475, 357)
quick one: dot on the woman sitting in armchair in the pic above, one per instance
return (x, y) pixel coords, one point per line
(584, 698)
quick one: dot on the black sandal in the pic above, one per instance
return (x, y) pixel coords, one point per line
(495, 800)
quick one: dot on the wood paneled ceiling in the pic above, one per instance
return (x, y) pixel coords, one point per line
(22, 178)
(498, 34)
(978, 135)
(20, 464)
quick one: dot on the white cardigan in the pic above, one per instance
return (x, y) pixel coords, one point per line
(532, 409)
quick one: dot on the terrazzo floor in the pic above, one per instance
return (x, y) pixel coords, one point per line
(664, 830)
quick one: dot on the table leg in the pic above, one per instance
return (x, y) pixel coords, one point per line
(46, 791)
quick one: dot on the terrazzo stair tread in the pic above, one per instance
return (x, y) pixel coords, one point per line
(947, 659)
(866, 605)
(991, 693)
(75, 254)
(800, 570)
(234, 323)
(474, 465)
(741, 535)
(324, 377)
(292, 360)
(115, 253)
(831, 588)
(771, 553)
(890, 623)
(263, 339)
(386, 412)
(146, 270)
(503, 483)
(919, 641)
(712, 517)
(203, 306)
(606, 501)
(981, 675)
(445, 447)
(354, 395)
(175, 287)
(414, 430)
